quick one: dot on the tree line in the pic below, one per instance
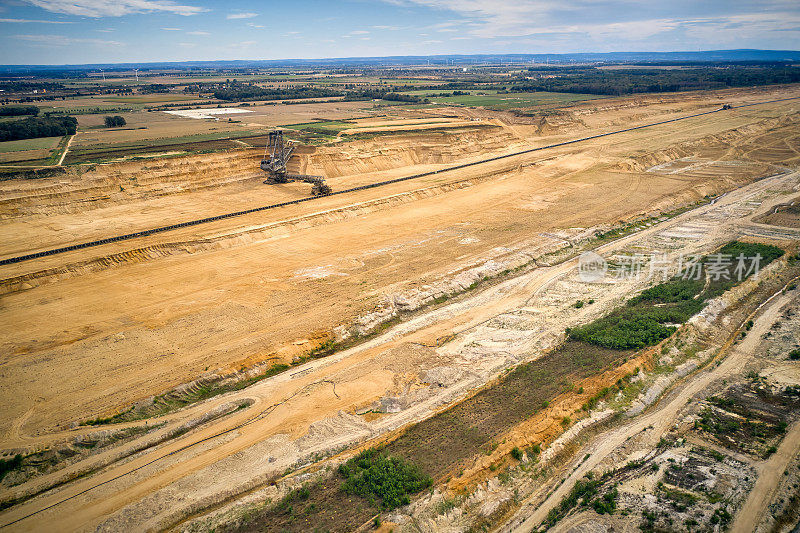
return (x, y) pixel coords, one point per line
(382, 94)
(242, 91)
(17, 110)
(33, 127)
(254, 92)
(629, 81)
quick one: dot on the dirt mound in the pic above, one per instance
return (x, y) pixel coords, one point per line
(82, 189)
(723, 145)
(397, 151)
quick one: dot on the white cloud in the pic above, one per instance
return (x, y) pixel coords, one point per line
(254, 25)
(235, 16)
(114, 8)
(240, 46)
(61, 40)
(35, 21)
(171, 29)
(359, 32)
(197, 33)
(615, 21)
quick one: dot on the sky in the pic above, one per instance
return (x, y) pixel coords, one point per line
(112, 31)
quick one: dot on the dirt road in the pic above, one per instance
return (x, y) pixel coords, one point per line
(770, 473)
(66, 149)
(663, 415)
(291, 403)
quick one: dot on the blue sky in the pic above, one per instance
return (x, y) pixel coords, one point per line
(91, 31)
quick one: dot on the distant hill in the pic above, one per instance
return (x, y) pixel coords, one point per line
(709, 56)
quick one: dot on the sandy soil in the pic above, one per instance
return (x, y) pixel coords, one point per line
(110, 326)
(661, 419)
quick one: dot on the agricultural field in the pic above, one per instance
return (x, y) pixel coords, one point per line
(421, 347)
(28, 150)
(506, 101)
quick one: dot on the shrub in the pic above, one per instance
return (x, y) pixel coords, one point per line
(721, 516)
(583, 490)
(675, 290)
(606, 504)
(373, 474)
(794, 355)
(622, 332)
(516, 453)
(7, 465)
(771, 450)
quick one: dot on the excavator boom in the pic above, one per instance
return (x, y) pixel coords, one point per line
(276, 156)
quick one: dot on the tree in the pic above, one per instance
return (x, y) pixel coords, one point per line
(115, 121)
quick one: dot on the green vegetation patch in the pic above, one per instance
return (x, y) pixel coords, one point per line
(323, 127)
(374, 474)
(503, 101)
(34, 127)
(18, 110)
(373, 481)
(7, 465)
(586, 493)
(653, 316)
(41, 143)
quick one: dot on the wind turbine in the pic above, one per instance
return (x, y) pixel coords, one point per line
(136, 71)
(104, 74)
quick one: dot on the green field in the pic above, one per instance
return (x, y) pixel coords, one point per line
(410, 81)
(42, 143)
(152, 98)
(181, 139)
(492, 100)
(328, 127)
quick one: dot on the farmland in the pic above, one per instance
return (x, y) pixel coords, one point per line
(505, 101)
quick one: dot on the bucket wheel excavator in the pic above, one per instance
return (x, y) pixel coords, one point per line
(276, 156)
